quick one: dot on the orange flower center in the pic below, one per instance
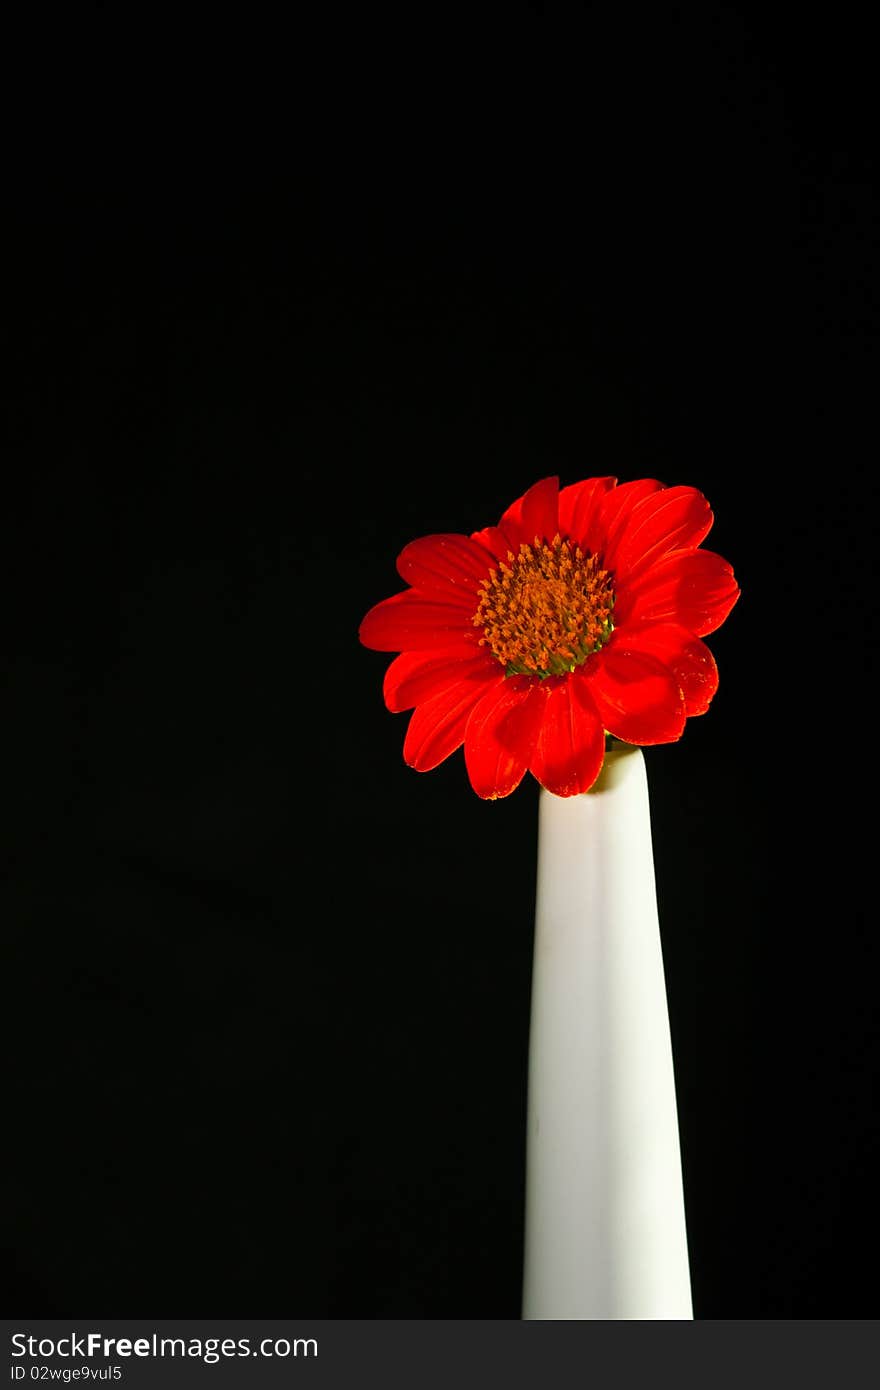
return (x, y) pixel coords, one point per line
(546, 610)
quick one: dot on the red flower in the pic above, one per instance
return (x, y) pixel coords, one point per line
(580, 612)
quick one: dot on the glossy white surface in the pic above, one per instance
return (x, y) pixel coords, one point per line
(605, 1230)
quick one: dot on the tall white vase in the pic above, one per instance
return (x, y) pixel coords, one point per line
(605, 1234)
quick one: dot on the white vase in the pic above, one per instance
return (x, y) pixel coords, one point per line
(605, 1233)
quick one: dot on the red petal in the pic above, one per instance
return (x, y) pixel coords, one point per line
(437, 727)
(570, 750)
(494, 541)
(413, 622)
(448, 566)
(578, 504)
(613, 513)
(536, 513)
(414, 677)
(501, 735)
(695, 588)
(637, 697)
(678, 518)
(689, 660)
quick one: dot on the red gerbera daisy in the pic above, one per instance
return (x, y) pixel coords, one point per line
(580, 613)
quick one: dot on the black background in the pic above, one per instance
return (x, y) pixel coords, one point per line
(266, 989)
